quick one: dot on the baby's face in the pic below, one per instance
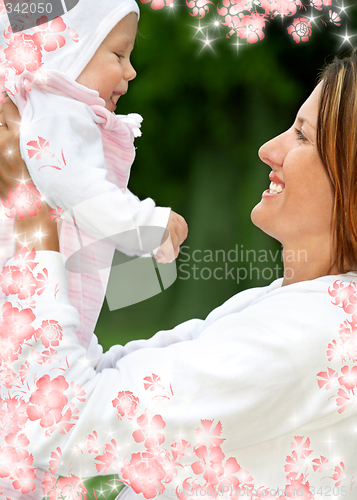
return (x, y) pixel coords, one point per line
(109, 71)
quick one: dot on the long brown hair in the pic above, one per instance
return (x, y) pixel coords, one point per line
(337, 146)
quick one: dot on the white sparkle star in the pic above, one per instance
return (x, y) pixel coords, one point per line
(237, 44)
(343, 8)
(199, 28)
(39, 234)
(346, 38)
(207, 43)
(312, 19)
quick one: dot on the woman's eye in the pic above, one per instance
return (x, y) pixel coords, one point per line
(300, 135)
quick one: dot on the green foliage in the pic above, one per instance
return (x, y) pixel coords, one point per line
(205, 116)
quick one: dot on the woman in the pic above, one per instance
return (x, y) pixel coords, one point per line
(256, 401)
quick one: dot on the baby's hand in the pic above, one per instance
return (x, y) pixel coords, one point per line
(170, 248)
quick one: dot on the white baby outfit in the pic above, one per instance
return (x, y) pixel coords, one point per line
(78, 154)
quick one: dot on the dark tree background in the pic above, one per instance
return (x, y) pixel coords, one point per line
(205, 116)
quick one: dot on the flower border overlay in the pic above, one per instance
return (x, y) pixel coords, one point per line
(243, 19)
(247, 19)
(54, 403)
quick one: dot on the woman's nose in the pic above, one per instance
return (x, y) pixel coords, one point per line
(273, 152)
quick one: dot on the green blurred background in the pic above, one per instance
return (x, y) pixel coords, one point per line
(206, 113)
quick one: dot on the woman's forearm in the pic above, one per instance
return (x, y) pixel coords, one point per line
(37, 232)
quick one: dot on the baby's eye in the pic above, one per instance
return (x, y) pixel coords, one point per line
(120, 56)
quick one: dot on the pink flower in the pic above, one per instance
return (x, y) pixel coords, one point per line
(292, 466)
(345, 296)
(92, 443)
(13, 415)
(42, 281)
(342, 400)
(13, 281)
(17, 325)
(72, 35)
(207, 436)
(152, 383)
(49, 32)
(349, 378)
(8, 377)
(39, 150)
(319, 4)
(56, 214)
(7, 465)
(23, 199)
(150, 431)
(24, 52)
(281, 8)
(158, 4)
(300, 446)
(329, 379)
(193, 490)
(299, 487)
(334, 350)
(48, 400)
(108, 459)
(26, 258)
(68, 488)
(180, 448)
(45, 357)
(250, 27)
(18, 441)
(145, 474)
(56, 460)
(24, 480)
(300, 29)
(8, 278)
(210, 464)
(339, 475)
(198, 8)
(320, 464)
(334, 18)
(78, 392)
(126, 404)
(50, 333)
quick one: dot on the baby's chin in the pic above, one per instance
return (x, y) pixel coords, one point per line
(110, 106)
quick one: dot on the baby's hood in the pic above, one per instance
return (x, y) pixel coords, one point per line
(64, 44)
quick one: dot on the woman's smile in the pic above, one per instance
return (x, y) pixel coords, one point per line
(276, 186)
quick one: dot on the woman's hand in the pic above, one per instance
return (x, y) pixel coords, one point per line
(38, 231)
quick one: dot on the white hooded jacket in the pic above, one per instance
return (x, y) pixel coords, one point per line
(258, 397)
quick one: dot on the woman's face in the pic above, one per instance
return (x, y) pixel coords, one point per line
(297, 211)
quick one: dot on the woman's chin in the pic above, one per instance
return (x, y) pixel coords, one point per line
(261, 219)
(257, 215)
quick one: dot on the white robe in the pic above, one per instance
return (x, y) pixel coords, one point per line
(228, 402)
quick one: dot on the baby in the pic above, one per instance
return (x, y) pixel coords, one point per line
(66, 77)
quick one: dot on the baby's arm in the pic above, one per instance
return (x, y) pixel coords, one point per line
(65, 158)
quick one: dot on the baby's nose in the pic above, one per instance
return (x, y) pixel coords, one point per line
(130, 72)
